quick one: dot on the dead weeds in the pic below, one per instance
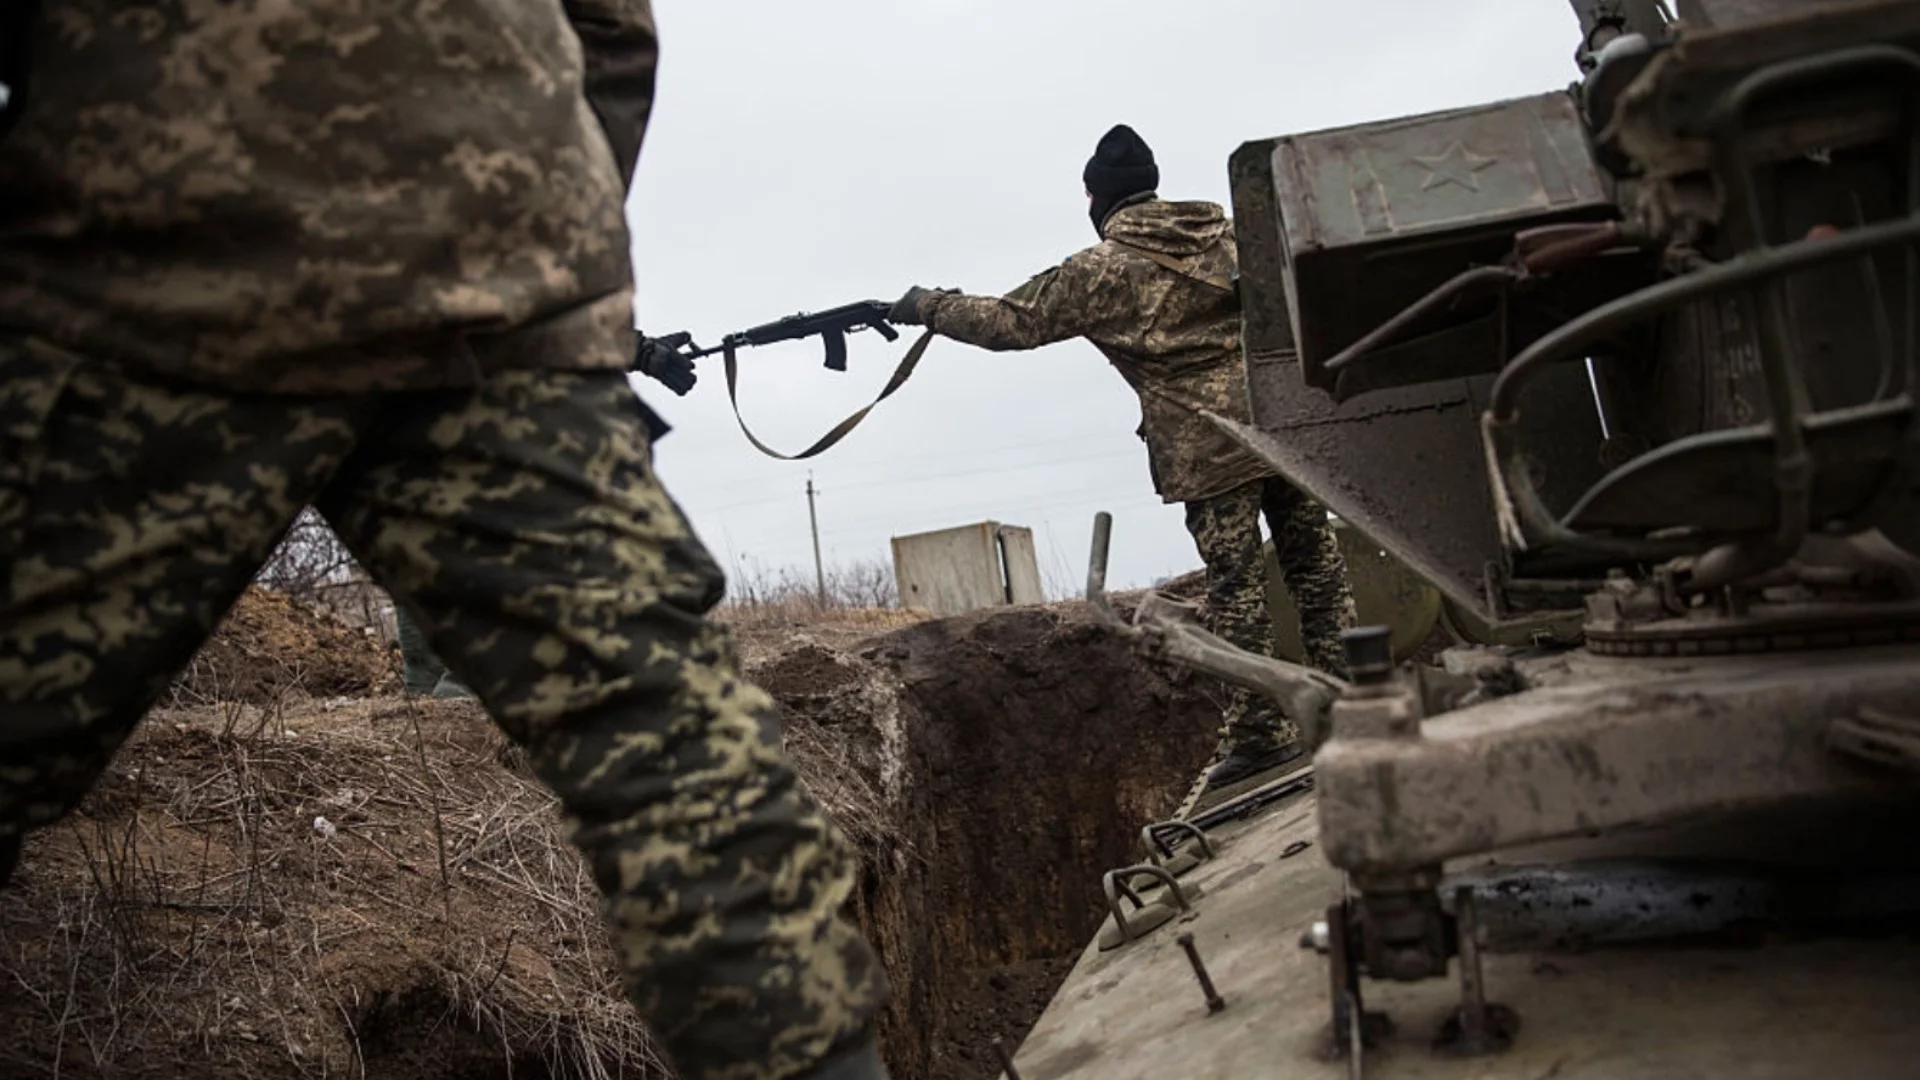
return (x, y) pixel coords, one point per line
(285, 875)
(338, 889)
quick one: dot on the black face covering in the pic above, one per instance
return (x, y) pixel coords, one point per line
(1100, 219)
(1122, 168)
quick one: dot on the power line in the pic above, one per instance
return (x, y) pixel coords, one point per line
(891, 462)
(927, 478)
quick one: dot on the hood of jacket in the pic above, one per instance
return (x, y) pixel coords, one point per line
(1178, 229)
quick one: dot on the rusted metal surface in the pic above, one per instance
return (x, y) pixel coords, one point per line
(1401, 466)
(1608, 902)
(1631, 744)
(1415, 506)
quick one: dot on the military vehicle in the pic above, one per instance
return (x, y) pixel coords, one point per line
(1626, 373)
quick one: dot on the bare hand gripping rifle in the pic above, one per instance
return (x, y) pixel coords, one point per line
(832, 326)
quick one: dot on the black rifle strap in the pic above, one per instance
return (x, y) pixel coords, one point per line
(901, 374)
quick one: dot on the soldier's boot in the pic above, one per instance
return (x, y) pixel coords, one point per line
(860, 1063)
(1244, 762)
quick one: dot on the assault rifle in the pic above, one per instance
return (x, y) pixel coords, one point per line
(832, 326)
(670, 359)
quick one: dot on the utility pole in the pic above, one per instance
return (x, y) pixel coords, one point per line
(813, 518)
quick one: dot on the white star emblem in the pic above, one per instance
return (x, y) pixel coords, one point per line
(1457, 166)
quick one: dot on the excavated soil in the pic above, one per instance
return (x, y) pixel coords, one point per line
(1019, 751)
(270, 646)
(292, 872)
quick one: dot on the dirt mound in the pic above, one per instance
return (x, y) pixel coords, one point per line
(270, 646)
(274, 884)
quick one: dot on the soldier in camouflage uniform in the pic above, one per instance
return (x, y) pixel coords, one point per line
(1157, 297)
(373, 257)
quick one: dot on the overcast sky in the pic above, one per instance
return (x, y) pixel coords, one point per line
(806, 155)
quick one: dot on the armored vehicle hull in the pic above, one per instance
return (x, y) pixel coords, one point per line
(1626, 373)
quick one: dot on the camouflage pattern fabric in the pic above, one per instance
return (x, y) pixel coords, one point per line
(1172, 336)
(315, 196)
(523, 521)
(1226, 528)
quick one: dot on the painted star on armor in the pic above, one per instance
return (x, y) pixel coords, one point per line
(1458, 165)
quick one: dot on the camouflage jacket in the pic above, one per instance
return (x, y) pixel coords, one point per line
(1174, 334)
(315, 196)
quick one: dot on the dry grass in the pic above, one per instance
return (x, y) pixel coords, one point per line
(341, 887)
(766, 629)
(323, 890)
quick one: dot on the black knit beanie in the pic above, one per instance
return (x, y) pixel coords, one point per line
(1121, 167)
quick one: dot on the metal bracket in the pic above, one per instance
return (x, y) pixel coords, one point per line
(1164, 854)
(1353, 1028)
(1148, 917)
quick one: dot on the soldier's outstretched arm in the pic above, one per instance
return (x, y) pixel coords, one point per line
(1082, 296)
(556, 578)
(622, 52)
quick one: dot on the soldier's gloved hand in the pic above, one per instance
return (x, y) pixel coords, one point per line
(906, 310)
(661, 359)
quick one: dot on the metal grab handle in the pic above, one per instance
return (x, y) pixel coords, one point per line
(1165, 630)
(1466, 282)
(1115, 884)
(1571, 338)
(1151, 837)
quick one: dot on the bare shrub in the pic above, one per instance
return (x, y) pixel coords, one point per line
(755, 590)
(313, 566)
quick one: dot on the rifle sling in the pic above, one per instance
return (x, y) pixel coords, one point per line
(1187, 268)
(901, 374)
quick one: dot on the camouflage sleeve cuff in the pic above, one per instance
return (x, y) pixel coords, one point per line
(928, 307)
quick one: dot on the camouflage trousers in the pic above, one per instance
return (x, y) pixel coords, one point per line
(522, 523)
(1226, 528)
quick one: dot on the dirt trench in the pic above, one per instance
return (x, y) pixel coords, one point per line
(1019, 751)
(291, 872)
